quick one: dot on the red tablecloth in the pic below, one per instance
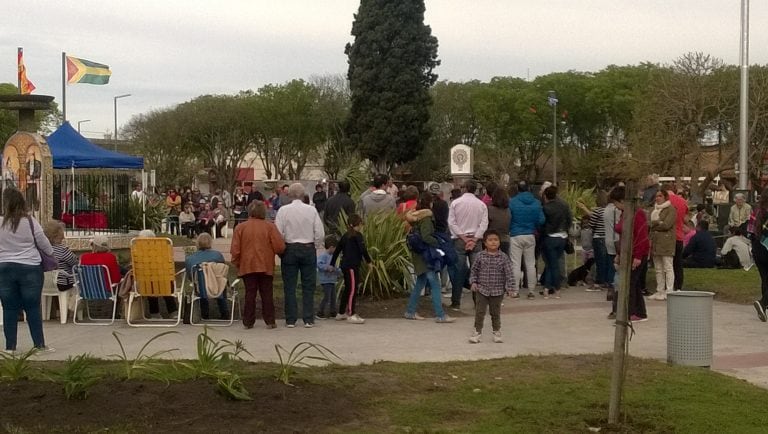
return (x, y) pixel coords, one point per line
(86, 220)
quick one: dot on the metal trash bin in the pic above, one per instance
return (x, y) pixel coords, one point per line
(689, 328)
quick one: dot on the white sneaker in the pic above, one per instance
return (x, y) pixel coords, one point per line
(355, 319)
(46, 349)
(497, 337)
(341, 316)
(659, 296)
(475, 338)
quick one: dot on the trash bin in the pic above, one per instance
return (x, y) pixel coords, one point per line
(689, 328)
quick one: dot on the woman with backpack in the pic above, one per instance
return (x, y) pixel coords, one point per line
(423, 227)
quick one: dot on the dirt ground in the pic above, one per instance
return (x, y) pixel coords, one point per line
(192, 406)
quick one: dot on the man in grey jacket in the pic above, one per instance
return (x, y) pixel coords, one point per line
(377, 200)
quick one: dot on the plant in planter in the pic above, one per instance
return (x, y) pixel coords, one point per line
(155, 213)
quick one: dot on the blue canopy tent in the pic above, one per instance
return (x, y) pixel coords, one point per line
(71, 150)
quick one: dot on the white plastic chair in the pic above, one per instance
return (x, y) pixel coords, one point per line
(50, 290)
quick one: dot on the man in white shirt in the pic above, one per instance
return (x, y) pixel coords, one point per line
(303, 231)
(467, 221)
(740, 244)
(138, 193)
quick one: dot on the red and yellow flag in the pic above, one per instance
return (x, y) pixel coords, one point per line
(25, 86)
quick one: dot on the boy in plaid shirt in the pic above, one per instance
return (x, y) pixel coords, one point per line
(490, 277)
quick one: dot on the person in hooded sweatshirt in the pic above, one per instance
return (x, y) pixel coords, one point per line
(377, 200)
(526, 216)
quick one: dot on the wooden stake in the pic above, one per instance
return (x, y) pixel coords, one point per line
(622, 306)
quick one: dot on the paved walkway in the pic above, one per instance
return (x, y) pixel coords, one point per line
(575, 324)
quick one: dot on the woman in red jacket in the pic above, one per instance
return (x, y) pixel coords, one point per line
(641, 248)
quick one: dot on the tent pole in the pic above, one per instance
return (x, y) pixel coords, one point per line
(72, 198)
(143, 201)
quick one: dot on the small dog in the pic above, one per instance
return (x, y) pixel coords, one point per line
(580, 274)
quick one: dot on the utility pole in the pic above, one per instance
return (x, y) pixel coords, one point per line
(552, 101)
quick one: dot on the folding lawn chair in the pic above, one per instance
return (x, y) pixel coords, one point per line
(154, 276)
(93, 283)
(205, 272)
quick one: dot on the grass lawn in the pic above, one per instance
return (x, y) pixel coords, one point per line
(734, 286)
(567, 394)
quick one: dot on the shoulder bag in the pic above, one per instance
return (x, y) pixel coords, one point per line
(49, 262)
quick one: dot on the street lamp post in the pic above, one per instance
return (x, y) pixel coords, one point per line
(115, 100)
(81, 122)
(552, 101)
(744, 97)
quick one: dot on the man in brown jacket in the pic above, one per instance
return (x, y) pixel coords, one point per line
(254, 246)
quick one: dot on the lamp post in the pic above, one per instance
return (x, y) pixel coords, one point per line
(115, 99)
(744, 97)
(552, 101)
(81, 122)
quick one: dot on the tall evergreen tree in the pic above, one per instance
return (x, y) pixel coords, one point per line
(391, 63)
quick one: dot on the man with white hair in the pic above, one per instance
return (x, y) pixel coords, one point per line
(302, 231)
(740, 212)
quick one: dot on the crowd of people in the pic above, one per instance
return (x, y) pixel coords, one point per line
(488, 244)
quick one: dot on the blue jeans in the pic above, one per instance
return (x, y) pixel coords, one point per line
(601, 261)
(553, 250)
(299, 258)
(223, 307)
(459, 272)
(21, 287)
(421, 282)
(329, 298)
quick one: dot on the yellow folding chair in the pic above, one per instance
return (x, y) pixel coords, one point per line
(154, 275)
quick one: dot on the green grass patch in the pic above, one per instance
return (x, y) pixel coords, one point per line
(734, 286)
(511, 395)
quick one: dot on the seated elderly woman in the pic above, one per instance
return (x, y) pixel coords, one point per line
(205, 220)
(206, 254)
(187, 221)
(101, 255)
(54, 230)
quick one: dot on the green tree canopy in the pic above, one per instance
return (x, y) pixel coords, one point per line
(391, 63)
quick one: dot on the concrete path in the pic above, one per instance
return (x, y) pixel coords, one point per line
(575, 324)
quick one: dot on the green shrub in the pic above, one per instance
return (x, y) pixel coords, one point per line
(215, 357)
(149, 363)
(77, 376)
(156, 212)
(16, 366)
(573, 194)
(390, 273)
(299, 354)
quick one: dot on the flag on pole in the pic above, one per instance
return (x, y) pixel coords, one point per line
(25, 86)
(85, 71)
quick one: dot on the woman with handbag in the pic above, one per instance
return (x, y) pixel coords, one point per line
(23, 249)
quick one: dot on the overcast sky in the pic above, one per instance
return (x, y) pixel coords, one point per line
(164, 52)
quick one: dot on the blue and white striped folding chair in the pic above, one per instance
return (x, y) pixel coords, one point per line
(93, 283)
(199, 293)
